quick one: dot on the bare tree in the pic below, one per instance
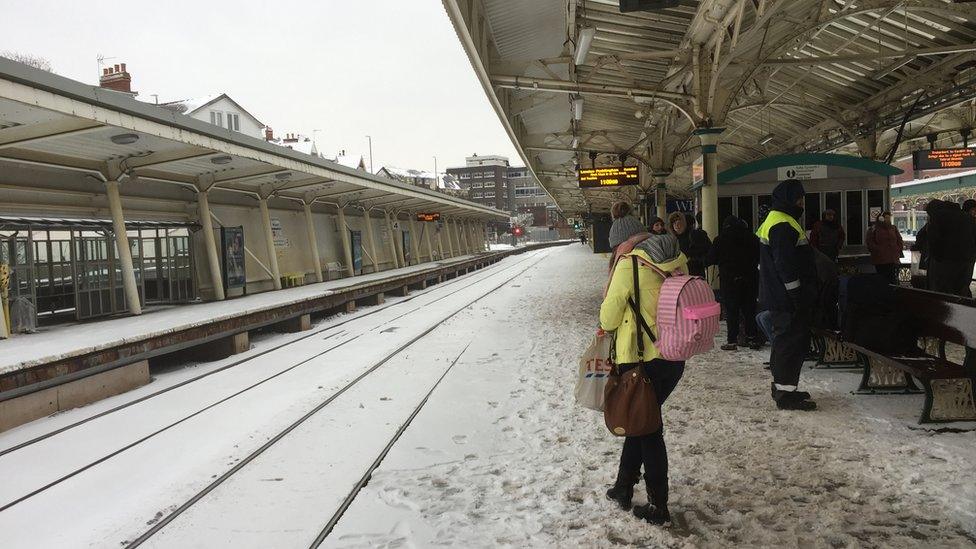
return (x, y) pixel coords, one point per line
(28, 59)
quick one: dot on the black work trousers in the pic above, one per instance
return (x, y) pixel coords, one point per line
(889, 271)
(950, 277)
(650, 449)
(790, 345)
(739, 299)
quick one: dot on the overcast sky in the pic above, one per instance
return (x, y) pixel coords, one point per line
(392, 69)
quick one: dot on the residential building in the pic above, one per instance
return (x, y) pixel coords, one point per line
(219, 110)
(294, 141)
(350, 160)
(445, 183)
(485, 179)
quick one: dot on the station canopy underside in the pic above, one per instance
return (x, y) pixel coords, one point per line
(88, 135)
(780, 76)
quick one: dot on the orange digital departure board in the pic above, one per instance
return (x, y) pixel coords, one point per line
(608, 176)
(941, 159)
(433, 216)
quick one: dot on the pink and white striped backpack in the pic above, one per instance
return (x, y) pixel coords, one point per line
(687, 316)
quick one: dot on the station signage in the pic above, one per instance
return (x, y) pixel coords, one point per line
(608, 176)
(698, 172)
(428, 217)
(801, 172)
(941, 159)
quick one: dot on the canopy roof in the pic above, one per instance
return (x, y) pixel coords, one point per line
(780, 76)
(97, 134)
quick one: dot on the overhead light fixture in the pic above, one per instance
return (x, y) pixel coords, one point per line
(124, 138)
(623, 157)
(893, 66)
(575, 143)
(578, 108)
(583, 42)
(223, 159)
(282, 175)
(766, 139)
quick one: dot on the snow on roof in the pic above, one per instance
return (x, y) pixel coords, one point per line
(448, 182)
(298, 143)
(407, 173)
(187, 106)
(349, 160)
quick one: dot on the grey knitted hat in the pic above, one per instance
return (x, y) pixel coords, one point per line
(624, 228)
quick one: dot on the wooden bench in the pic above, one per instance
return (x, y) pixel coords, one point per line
(949, 386)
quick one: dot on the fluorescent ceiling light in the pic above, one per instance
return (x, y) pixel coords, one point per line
(124, 138)
(221, 159)
(766, 139)
(583, 41)
(575, 143)
(578, 108)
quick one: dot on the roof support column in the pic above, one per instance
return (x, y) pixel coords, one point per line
(463, 237)
(313, 241)
(343, 231)
(393, 246)
(414, 241)
(210, 243)
(444, 228)
(269, 242)
(372, 241)
(122, 243)
(427, 228)
(661, 195)
(401, 253)
(709, 192)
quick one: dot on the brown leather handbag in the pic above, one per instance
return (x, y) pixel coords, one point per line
(631, 408)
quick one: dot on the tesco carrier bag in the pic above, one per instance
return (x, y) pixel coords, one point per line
(594, 367)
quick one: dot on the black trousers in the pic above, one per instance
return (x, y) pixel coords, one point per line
(889, 271)
(650, 449)
(950, 277)
(739, 298)
(791, 342)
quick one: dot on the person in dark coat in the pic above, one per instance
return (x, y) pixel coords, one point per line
(736, 252)
(951, 243)
(788, 290)
(828, 235)
(694, 242)
(885, 244)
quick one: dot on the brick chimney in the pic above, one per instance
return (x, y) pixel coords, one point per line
(268, 133)
(116, 78)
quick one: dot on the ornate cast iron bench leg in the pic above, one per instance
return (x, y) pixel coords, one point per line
(883, 378)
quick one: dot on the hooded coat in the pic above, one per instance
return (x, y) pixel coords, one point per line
(885, 243)
(949, 232)
(827, 236)
(787, 269)
(617, 315)
(735, 250)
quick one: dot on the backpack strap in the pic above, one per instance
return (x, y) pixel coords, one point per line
(641, 323)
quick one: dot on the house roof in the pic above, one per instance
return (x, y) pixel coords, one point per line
(192, 105)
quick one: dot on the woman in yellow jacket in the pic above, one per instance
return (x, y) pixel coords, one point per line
(618, 316)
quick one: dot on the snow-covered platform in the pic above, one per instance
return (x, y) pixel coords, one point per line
(447, 419)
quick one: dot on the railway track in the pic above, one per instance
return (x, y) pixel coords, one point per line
(196, 498)
(490, 270)
(336, 333)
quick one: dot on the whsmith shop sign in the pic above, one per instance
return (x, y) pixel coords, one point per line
(609, 176)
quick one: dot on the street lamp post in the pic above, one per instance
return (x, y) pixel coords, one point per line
(370, 139)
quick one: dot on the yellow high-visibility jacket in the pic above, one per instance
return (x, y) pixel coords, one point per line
(616, 314)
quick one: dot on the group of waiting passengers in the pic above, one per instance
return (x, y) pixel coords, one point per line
(782, 265)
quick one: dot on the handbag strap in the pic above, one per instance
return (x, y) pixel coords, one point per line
(641, 323)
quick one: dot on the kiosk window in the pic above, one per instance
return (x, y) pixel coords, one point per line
(764, 200)
(811, 208)
(855, 218)
(744, 204)
(832, 202)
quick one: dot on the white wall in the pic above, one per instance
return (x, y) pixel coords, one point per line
(249, 125)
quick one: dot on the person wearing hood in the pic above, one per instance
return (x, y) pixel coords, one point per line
(788, 290)
(657, 226)
(626, 232)
(736, 252)
(618, 316)
(828, 235)
(694, 242)
(951, 242)
(885, 244)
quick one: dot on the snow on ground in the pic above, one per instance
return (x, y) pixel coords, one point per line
(502, 456)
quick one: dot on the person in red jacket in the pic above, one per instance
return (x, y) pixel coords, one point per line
(885, 244)
(828, 235)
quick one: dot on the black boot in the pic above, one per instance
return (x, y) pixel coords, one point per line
(655, 512)
(622, 491)
(794, 395)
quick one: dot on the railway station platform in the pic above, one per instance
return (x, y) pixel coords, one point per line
(447, 418)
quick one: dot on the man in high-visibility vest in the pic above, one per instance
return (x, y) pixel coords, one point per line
(787, 289)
